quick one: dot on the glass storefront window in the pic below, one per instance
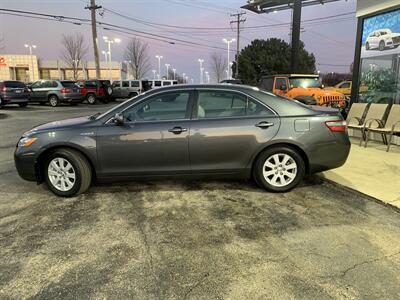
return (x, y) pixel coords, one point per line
(380, 59)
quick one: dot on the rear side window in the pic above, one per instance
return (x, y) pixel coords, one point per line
(165, 83)
(49, 84)
(125, 83)
(135, 84)
(221, 104)
(68, 84)
(157, 83)
(280, 83)
(267, 84)
(14, 84)
(91, 84)
(116, 84)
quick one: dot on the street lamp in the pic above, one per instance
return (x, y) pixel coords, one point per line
(174, 70)
(201, 69)
(109, 42)
(154, 73)
(159, 57)
(228, 41)
(30, 46)
(208, 77)
(167, 66)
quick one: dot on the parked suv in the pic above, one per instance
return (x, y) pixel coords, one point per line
(55, 92)
(382, 39)
(129, 88)
(96, 90)
(13, 92)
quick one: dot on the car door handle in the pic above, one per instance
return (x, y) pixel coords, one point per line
(264, 125)
(177, 130)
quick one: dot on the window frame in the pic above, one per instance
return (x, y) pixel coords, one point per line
(188, 113)
(249, 97)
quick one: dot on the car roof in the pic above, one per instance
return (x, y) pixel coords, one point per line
(292, 75)
(225, 86)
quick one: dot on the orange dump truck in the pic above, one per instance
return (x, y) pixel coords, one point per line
(304, 88)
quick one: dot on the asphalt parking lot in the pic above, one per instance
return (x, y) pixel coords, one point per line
(188, 239)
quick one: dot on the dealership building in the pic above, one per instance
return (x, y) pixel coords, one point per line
(377, 52)
(28, 68)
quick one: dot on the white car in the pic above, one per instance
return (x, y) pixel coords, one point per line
(382, 39)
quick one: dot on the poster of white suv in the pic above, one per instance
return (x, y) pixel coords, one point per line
(382, 39)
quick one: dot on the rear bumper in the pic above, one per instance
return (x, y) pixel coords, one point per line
(26, 165)
(323, 157)
(12, 100)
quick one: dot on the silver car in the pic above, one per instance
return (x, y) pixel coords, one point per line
(188, 130)
(55, 92)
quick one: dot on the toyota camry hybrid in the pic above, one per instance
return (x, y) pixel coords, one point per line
(187, 130)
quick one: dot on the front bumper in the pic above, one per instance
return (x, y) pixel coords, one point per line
(25, 162)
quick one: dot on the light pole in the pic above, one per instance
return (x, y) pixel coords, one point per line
(201, 69)
(30, 46)
(174, 70)
(183, 77)
(228, 41)
(109, 42)
(207, 77)
(154, 73)
(186, 79)
(159, 57)
(167, 66)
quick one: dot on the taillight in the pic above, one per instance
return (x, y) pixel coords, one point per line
(65, 91)
(336, 125)
(4, 89)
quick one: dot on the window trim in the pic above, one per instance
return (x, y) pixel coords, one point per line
(189, 107)
(195, 108)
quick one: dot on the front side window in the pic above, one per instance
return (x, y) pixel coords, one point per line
(345, 85)
(221, 104)
(280, 84)
(166, 106)
(116, 84)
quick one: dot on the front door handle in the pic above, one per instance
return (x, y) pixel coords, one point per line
(264, 125)
(177, 130)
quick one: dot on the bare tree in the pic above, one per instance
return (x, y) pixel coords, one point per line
(218, 66)
(136, 53)
(74, 50)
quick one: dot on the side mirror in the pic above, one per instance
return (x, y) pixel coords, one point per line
(119, 119)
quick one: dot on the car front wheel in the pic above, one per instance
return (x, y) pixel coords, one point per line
(279, 169)
(382, 46)
(68, 173)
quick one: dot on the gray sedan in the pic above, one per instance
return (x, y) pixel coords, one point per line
(187, 130)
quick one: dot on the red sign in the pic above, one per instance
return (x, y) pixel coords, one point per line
(2, 62)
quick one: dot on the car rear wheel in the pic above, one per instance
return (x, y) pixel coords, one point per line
(53, 100)
(279, 169)
(91, 99)
(67, 173)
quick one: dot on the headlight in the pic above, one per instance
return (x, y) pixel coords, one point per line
(26, 141)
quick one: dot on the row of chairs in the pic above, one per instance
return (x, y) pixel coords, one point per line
(372, 118)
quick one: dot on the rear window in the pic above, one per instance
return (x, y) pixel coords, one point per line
(68, 84)
(14, 84)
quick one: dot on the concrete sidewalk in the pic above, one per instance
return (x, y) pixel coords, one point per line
(371, 171)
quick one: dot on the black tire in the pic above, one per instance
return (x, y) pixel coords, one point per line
(25, 104)
(268, 154)
(91, 99)
(382, 45)
(131, 95)
(81, 166)
(54, 101)
(367, 46)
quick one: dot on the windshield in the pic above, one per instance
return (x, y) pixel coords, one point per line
(305, 82)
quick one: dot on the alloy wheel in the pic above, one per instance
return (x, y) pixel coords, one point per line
(53, 101)
(280, 169)
(61, 174)
(91, 99)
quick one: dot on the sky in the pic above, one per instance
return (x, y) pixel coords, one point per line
(332, 42)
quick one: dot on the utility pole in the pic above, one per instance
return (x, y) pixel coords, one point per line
(93, 7)
(238, 20)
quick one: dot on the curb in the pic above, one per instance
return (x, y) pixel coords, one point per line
(376, 200)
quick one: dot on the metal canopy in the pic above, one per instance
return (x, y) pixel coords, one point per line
(268, 6)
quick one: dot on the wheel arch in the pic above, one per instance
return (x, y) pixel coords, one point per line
(40, 160)
(52, 94)
(294, 146)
